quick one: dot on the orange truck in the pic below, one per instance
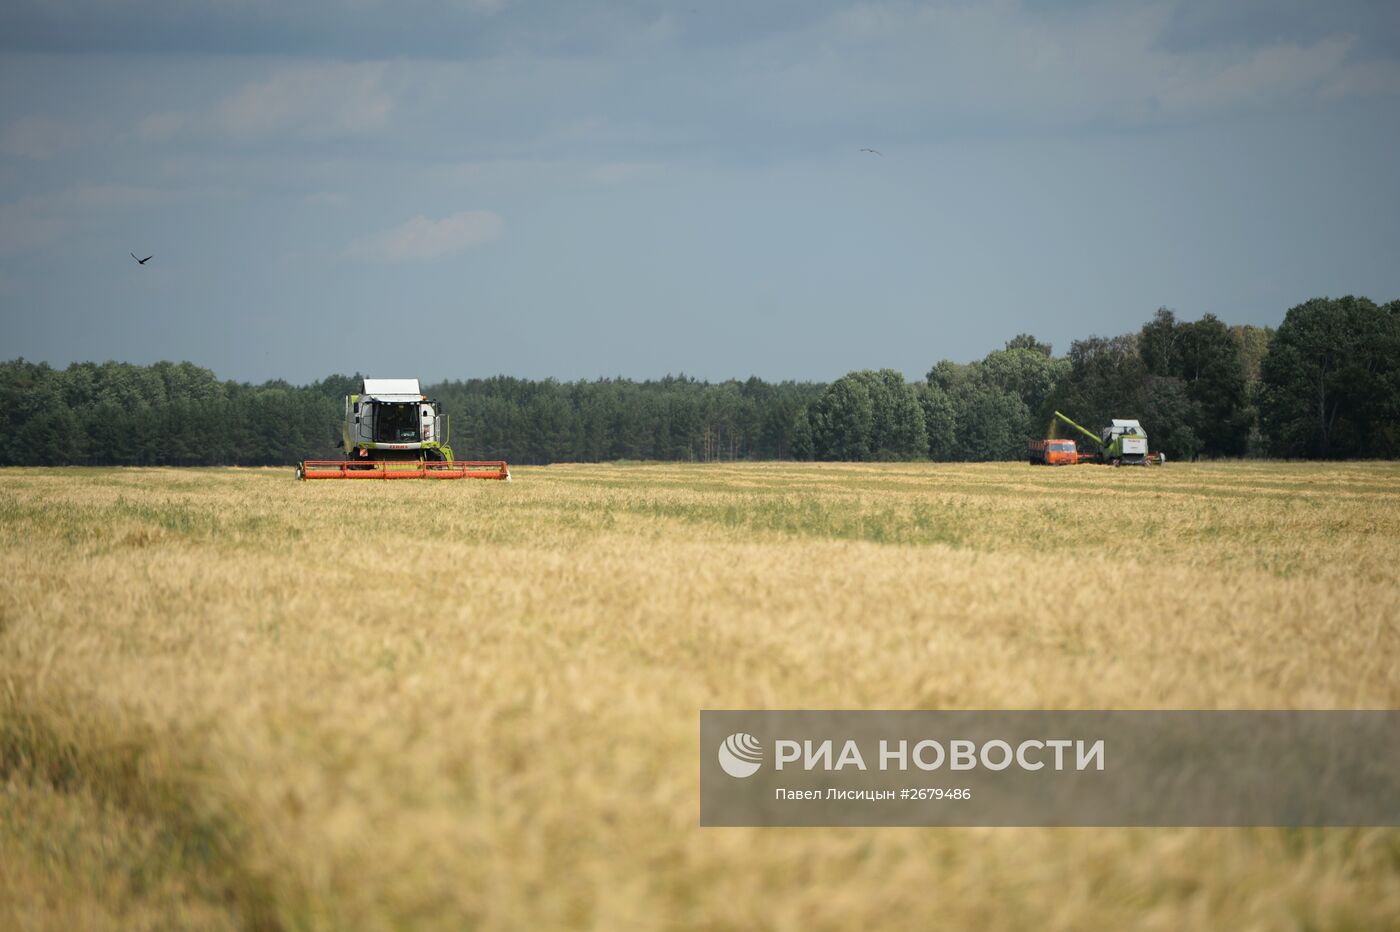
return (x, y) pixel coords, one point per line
(1053, 453)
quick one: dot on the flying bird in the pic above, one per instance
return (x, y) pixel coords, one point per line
(142, 261)
(876, 151)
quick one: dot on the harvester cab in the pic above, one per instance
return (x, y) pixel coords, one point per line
(1127, 440)
(391, 419)
(394, 431)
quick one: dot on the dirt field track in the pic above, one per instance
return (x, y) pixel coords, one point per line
(229, 699)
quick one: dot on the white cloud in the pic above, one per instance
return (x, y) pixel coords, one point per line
(39, 137)
(1365, 79)
(485, 175)
(1010, 63)
(310, 101)
(421, 239)
(159, 127)
(614, 173)
(327, 199)
(38, 221)
(314, 100)
(115, 197)
(1284, 70)
(26, 226)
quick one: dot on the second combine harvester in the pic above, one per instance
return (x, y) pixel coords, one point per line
(1123, 443)
(394, 431)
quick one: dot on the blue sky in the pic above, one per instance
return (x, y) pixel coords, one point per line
(456, 189)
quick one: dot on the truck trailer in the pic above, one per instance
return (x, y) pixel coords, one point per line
(1052, 452)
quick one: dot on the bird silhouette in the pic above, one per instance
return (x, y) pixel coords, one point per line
(876, 151)
(142, 261)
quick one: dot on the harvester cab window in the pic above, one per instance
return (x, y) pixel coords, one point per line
(396, 423)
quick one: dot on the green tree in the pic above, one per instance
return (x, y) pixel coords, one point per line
(1029, 375)
(996, 403)
(940, 422)
(1209, 363)
(897, 431)
(1025, 341)
(991, 425)
(1254, 346)
(1331, 380)
(843, 420)
(1168, 416)
(1107, 379)
(800, 444)
(1158, 344)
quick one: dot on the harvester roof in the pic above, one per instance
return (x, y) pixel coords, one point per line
(391, 390)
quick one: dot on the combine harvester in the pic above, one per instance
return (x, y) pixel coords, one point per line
(1122, 442)
(393, 431)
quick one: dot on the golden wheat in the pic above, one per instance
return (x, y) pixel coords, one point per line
(231, 699)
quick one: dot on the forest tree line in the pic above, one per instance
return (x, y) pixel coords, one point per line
(1325, 384)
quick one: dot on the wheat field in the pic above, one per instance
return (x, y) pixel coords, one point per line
(232, 700)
